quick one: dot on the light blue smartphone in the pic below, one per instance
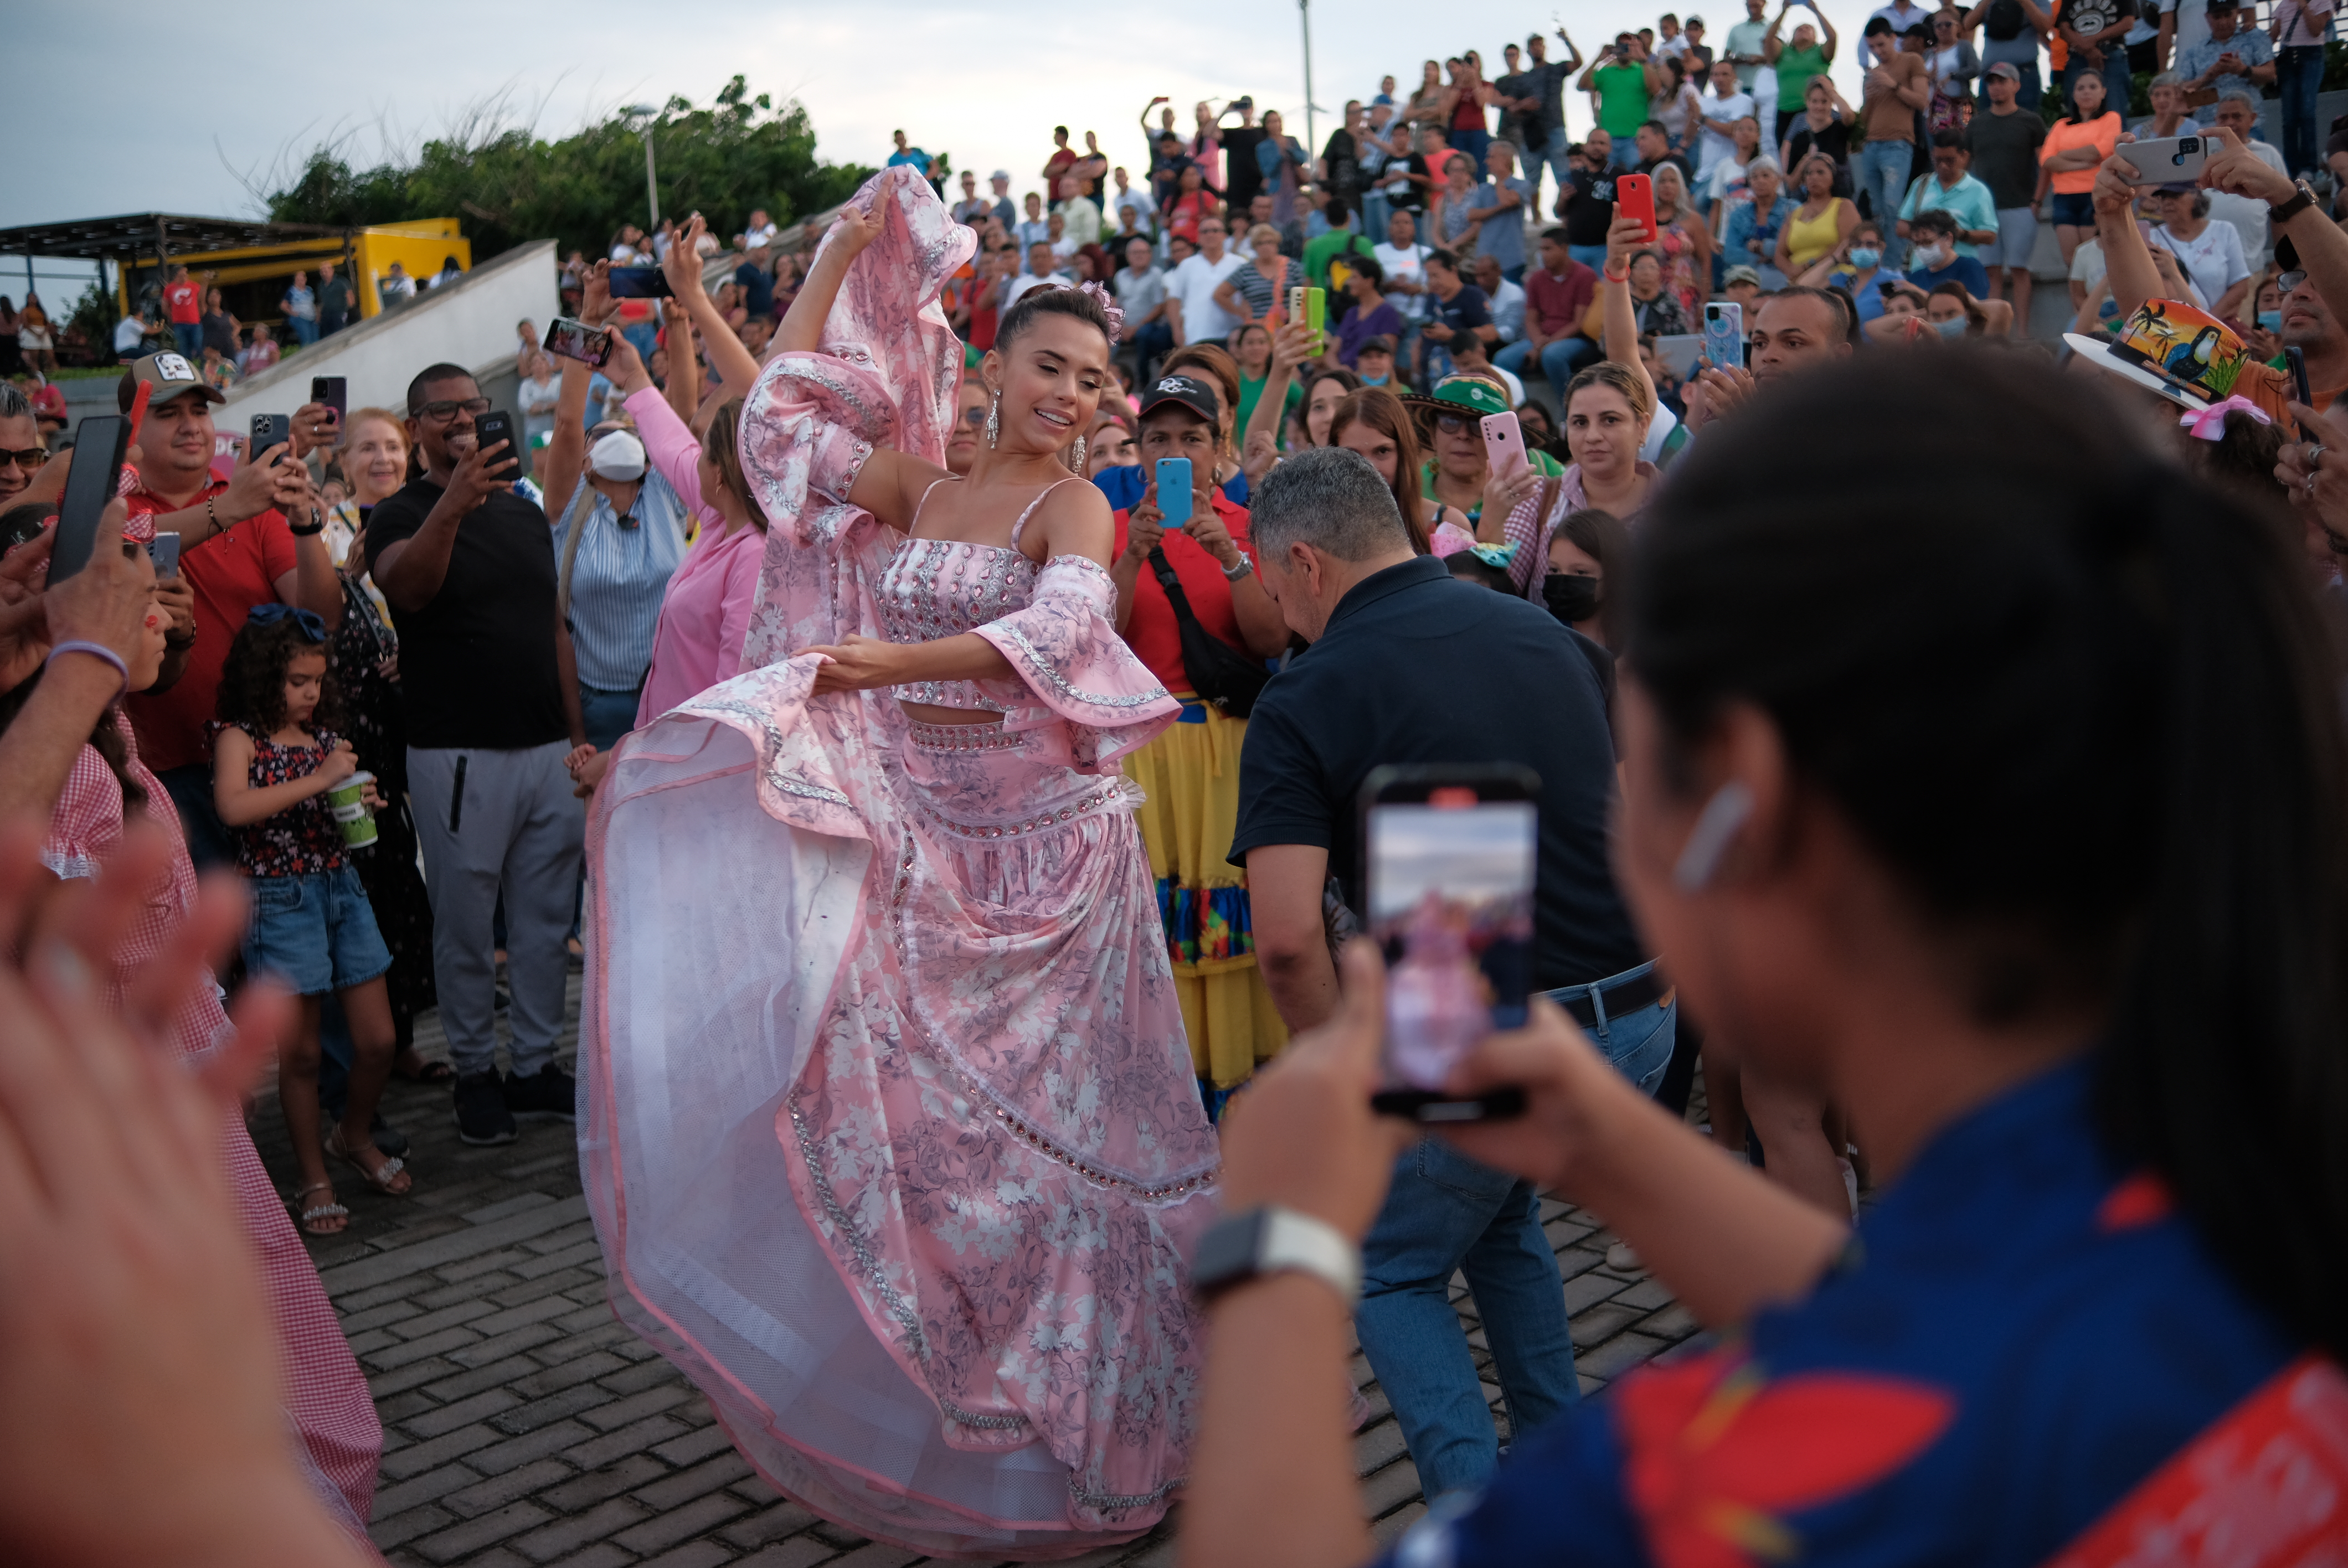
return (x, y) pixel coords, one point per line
(1724, 335)
(1174, 490)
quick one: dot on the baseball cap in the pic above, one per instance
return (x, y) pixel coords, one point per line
(999, 174)
(1188, 390)
(1740, 276)
(170, 374)
(2006, 68)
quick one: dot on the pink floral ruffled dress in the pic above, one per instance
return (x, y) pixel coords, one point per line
(888, 1125)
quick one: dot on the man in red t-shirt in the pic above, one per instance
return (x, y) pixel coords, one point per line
(184, 304)
(1557, 298)
(236, 550)
(1181, 417)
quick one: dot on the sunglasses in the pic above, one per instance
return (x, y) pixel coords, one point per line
(974, 417)
(26, 457)
(447, 408)
(1451, 424)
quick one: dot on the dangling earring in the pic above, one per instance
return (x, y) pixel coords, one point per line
(995, 420)
(1076, 458)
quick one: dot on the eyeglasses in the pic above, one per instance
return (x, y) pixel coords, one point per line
(1451, 424)
(24, 457)
(447, 408)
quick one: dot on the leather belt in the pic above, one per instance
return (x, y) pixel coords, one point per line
(1627, 997)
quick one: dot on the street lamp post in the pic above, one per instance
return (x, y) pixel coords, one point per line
(1305, 12)
(651, 180)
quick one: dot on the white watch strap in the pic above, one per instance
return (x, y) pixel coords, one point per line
(1297, 1241)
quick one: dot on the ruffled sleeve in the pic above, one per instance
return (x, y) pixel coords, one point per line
(807, 428)
(86, 823)
(1069, 655)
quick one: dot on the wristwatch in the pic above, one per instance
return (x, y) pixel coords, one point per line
(1272, 1240)
(1245, 565)
(2292, 208)
(317, 525)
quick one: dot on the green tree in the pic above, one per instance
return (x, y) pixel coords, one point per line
(507, 187)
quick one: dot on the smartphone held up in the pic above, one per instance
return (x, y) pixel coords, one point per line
(1450, 855)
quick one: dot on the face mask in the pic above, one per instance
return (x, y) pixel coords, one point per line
(2270, 321)
(1930, 257)
(619, 455)
(1569, 596)
(1865, 258)
(1381, 380)
(1954, 327)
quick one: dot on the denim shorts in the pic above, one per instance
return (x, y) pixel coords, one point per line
(2075, 209)
(317, 932)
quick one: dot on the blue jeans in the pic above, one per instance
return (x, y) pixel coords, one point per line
(1590, 256)
(607, 715)
(2030, 91)
(1625, 155)
(2299, 71)
(1377, 212)
(314, 932)
(1555, 155)
(191, 789)
(190, 338)
(1446, 1213)
(305, 329)
(1881, 170)
(1150, 344)
(1559, 359)
(1471, 141)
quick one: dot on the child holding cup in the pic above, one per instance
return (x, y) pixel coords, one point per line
(291, 794)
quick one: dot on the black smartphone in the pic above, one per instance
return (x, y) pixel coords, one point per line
(100, 443)
(577, 340)
(639, 283)
(2298, 361)
(491, 428)
(268, 430)
(1450, 855)
(335, 392)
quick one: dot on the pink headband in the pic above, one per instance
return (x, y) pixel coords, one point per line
(2210, 424)
(1108, 304)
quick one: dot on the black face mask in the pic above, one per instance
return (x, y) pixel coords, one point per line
(1569, 598)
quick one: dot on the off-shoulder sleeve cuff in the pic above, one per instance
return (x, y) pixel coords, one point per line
(808, 427)
(1063, 648)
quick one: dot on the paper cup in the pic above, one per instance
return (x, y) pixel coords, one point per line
(350, 812)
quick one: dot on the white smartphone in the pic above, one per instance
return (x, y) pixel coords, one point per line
(2168, 159)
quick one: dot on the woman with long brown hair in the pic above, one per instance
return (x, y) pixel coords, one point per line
(1374, 423)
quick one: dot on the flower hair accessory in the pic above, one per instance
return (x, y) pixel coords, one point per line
(2210, 423)
(1109, 305)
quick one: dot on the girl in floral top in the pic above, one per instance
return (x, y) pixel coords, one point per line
(273, 764)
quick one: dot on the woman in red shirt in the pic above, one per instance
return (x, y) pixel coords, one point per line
(1190, 773)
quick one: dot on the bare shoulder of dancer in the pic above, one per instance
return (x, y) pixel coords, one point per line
(1073, 520)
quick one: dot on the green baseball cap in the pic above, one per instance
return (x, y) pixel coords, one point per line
(1455, 394)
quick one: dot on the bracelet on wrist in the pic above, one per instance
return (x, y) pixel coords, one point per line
(1614, 277)
(97, 651)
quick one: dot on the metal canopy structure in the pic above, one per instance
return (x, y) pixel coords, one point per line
(143, 234)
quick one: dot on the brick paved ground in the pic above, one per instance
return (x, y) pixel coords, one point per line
(523, 1426)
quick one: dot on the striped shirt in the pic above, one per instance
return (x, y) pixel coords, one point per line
(618, 579)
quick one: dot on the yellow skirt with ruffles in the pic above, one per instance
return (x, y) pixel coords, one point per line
(1191, 773)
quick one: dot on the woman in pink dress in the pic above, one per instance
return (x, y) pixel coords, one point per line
(888, 1117)
(329, 1410)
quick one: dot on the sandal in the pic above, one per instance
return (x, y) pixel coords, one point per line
(425, 1072)
(314, 1220)
(381, 1178)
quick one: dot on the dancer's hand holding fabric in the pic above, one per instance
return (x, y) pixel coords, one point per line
(140, 1410)
(860, 663)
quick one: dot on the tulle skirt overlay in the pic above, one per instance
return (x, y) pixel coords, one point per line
(890, 1128)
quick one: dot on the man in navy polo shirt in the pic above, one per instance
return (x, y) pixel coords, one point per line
(1400, 669)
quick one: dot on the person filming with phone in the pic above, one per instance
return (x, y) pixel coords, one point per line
(253, 538)
(1190, 771)
(1401, 669)
(491, 690)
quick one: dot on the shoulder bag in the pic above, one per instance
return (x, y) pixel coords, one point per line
(1218, 673)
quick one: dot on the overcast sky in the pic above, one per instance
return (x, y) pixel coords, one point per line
(259, 88)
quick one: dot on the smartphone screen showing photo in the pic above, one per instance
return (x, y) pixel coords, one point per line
(1451, 904)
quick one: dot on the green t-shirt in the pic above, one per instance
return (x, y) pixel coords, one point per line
(1251, 393)
(1317, 252)
(1795, 69)
(1621, 98)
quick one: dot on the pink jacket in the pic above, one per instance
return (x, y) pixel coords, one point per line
(706, 611)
